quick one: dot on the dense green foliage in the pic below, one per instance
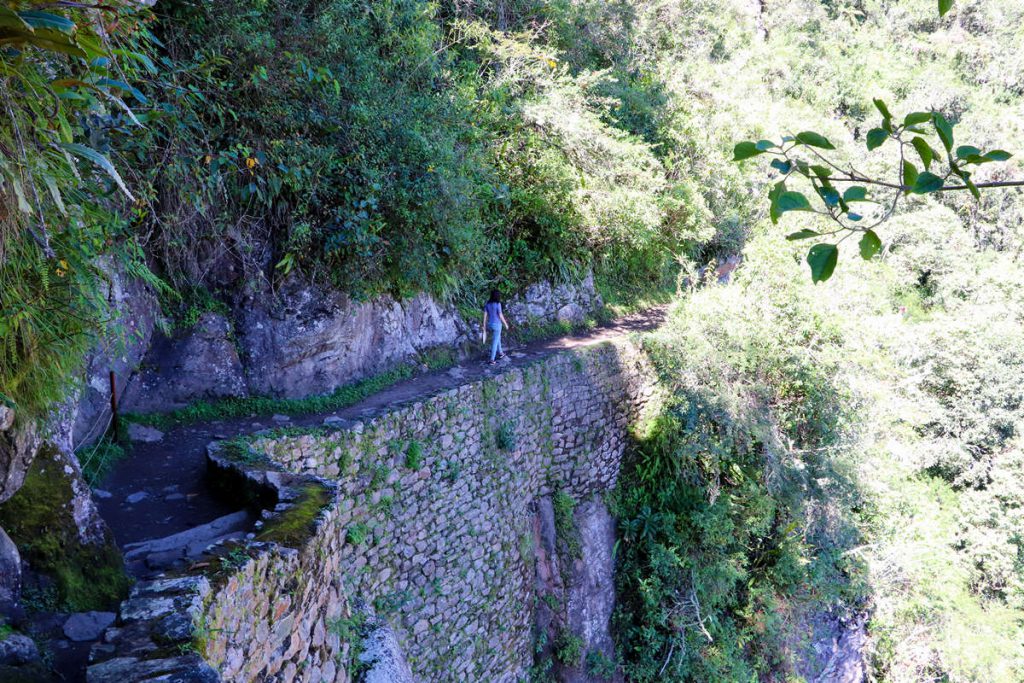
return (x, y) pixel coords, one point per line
(404, 146)
(393, 146)
(735, 511)
(873, 420)
(63, 90)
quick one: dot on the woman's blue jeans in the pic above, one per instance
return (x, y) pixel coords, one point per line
(495, 341)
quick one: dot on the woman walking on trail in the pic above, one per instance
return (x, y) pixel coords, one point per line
(493, 320)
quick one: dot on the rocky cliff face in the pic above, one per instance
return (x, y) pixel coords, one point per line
(305, 340)
(314, 341)
(575, 591)
(120, 350)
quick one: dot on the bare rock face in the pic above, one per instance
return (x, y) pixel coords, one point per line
(576, 594)
(382, 656)
(591, 590)
(10, 573)
(201, 363)
(544, 303)
(832, 648)
(299, 341)
(314, 341)
(120, 350)
(18, 444)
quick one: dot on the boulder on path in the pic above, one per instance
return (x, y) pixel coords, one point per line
(144, 433)
(136, 497)
(185, 669)
(17, 650)
(87, 625)
(178, 544)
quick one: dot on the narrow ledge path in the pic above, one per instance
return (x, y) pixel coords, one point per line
(160, 488)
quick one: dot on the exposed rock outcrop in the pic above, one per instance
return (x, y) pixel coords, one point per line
(304, 340)
(382, 654)
(833, 648)
(10, 574)
(590, 598)
(313, 341)
(18, 445)
(202, 363)
(544, 303)
(135, 310)
(575, 591)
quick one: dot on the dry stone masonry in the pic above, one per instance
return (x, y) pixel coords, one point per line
(428, 525)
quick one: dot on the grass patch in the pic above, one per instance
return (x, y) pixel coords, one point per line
(342, 397)
(601, 666)
(568, 648)
(414, 455)
(357, 533)
(240, 450)
(532, 330)
(451, 471)
(439, 357)
(351, 630)
(620, 301)
(98, 459)
(506, 436)
(565, 523)
(295, 525)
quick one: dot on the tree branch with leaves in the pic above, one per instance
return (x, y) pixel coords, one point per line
(840, 190)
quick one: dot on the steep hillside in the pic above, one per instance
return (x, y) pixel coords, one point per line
(216, 210)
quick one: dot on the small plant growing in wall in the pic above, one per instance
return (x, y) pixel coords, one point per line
(385, 505)
(357, 533)
(350, 630)
(414, 455)
(452, 469)
(568, 648)
(380, 476)
(565, 523)
(506, 436)
(600, 665)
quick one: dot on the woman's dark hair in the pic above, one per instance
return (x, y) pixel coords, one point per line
(495, 297)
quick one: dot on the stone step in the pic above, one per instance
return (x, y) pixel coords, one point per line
(190, 553)
(203, 535)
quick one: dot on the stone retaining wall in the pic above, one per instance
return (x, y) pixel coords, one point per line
(431, 524)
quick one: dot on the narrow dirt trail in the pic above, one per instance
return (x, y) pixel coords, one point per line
(160, 488)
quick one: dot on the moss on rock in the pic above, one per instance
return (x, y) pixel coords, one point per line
(39, 519)
(292, 527)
